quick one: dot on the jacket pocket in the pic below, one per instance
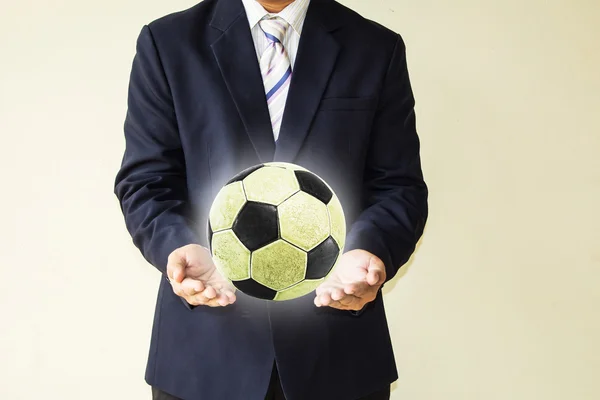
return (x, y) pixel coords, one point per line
(347, 103)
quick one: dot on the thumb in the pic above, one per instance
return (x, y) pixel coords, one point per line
(376, 272)
(176, 266)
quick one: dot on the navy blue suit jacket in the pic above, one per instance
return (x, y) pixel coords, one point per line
(196, 116)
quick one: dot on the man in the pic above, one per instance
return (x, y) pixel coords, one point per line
(229, 84)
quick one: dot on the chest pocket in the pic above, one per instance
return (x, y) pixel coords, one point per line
(348, 104)
(341, 129)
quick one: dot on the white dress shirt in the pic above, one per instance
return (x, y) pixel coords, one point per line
(294, 15)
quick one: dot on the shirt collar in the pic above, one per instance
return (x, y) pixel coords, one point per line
(294, 14)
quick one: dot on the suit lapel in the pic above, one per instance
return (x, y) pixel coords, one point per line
(236, 58)
(314, 64)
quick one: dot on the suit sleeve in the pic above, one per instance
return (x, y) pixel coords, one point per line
(395, 194)
(151, 183)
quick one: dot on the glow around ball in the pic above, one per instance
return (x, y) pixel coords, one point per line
(276, 231)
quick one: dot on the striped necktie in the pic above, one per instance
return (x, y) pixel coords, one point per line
(276, 70)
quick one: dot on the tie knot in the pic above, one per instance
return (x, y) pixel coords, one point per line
(274, 29)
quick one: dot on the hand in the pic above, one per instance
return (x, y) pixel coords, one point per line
(354, 282)
(195, 278)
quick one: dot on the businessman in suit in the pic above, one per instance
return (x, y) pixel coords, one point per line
(228, 84)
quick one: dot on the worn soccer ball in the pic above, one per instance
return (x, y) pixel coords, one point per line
(276, 231)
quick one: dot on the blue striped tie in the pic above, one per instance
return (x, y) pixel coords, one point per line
(276, 70)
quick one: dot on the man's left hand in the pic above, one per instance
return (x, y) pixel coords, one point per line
(354, 282)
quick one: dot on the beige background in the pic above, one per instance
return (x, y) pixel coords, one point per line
(502, 298)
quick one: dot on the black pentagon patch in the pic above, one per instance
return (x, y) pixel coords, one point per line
(210, 235)
(321, 259)
(256, 225)
(255, 289)
(313, 185)
(244, 174)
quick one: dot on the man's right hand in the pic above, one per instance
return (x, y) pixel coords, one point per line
(195, 278)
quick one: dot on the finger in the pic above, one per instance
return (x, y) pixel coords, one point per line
(222, 300)
(357, 289)
(320, 289)
(374, 277)
(204, 302)
(325, 299)
(326, 287)
(343, 301)
(337, 294)
(317, 301)
(347, 303)
(191, 287)
(376, 273)
(176, 265)
(219, 300)
(199, 299)
(210, 293)
(230, 296)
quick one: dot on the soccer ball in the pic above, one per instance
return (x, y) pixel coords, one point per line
(276, 231)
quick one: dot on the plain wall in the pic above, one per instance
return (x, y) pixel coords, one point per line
(502, 298)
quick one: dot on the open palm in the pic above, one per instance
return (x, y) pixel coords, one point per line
(195, 277)
(209, 277)
(353, 283)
